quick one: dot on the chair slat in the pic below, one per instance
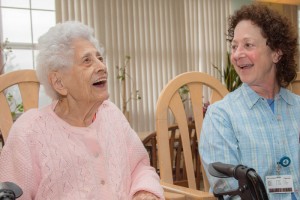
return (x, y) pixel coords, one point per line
(196, 91)
(6, 119)
(178, 110)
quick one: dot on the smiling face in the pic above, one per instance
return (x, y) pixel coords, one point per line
(252, 58)
(86, 80)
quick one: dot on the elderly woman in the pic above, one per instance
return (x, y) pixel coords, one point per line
(81, 146)
(258, 124)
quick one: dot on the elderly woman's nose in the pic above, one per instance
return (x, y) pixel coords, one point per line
(100, 66)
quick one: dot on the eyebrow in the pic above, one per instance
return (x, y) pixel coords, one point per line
(244, 40)
(88, 54)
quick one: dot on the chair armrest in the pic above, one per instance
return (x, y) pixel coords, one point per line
(173, 196)
(188, 192)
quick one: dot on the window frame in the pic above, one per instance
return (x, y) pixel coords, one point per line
(23, 45)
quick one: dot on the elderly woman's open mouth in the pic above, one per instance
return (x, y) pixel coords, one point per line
(100, 83)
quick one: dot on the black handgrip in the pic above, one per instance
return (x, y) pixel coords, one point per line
(250, 184)
(9, 190)
(221, 170)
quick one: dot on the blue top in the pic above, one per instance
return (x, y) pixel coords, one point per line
(271, 104)
(242, 129)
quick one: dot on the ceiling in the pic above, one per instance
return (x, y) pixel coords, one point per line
(293, 2)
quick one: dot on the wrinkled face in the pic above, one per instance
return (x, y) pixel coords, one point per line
(86, 80)
(252, 58)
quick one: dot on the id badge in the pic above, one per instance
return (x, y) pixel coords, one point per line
(280, 184)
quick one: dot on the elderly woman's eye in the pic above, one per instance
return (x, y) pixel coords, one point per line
(87, 60)
(101, 58)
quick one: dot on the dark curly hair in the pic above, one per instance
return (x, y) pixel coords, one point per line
(278, 31)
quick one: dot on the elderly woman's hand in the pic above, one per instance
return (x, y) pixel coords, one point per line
(144, 195)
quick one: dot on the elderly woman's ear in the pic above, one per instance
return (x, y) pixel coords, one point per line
(56, 81)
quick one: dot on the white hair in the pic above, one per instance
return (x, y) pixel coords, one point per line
(56, 52)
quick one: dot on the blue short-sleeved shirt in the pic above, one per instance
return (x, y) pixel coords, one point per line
(242, 129)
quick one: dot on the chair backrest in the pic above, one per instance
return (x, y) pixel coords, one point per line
(170, 103)
(295, 85)
(179, 173)
(28, 85)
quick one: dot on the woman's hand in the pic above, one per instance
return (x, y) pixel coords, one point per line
(144, 195)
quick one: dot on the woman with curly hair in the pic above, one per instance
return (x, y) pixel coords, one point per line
(258, 124)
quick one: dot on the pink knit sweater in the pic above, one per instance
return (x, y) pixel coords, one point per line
(49, 159)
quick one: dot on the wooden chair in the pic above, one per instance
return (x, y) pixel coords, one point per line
(179, 173)
(151, 146)
(295, 85)
(170, 103)
(29, 89)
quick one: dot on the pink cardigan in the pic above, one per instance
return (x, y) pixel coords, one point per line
(49, 159)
